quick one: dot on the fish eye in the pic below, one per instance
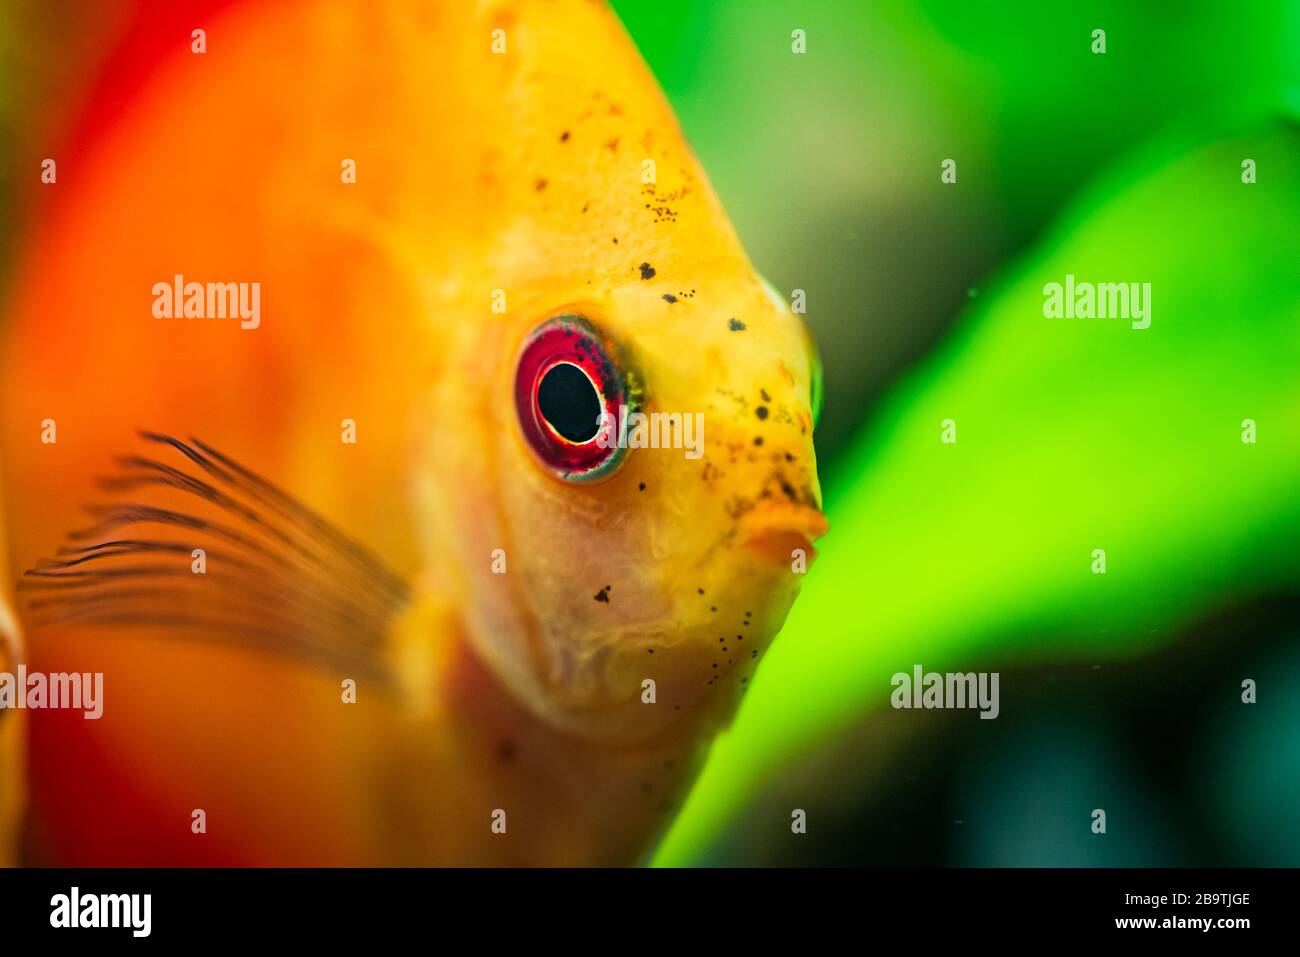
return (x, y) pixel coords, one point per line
(568, 394)
(569, 402)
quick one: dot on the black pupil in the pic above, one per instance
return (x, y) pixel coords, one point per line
(568, 401)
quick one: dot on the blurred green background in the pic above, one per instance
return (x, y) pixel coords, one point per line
(1119, 691)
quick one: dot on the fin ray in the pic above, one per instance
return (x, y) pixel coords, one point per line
(279, 578)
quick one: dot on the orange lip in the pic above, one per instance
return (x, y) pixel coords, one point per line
(777, 532)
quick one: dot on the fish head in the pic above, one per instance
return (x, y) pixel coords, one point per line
(604, 561)
(634, 522)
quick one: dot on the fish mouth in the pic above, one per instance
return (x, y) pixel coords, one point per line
(777, 533)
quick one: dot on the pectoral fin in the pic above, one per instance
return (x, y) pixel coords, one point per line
(204, 549)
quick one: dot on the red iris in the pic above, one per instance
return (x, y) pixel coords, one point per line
(568, 391)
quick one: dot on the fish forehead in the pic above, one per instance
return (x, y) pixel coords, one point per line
(590, 183)
(551, 170)
(431, 109)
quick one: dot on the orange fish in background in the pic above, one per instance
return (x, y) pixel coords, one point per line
(11, 733)
(381, 476)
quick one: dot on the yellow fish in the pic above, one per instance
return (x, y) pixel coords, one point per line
(476, 470)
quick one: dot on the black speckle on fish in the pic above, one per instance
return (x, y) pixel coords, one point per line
(669, 297)
(735, 325)
(603, 594)
(647, 271)
(761, 412)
